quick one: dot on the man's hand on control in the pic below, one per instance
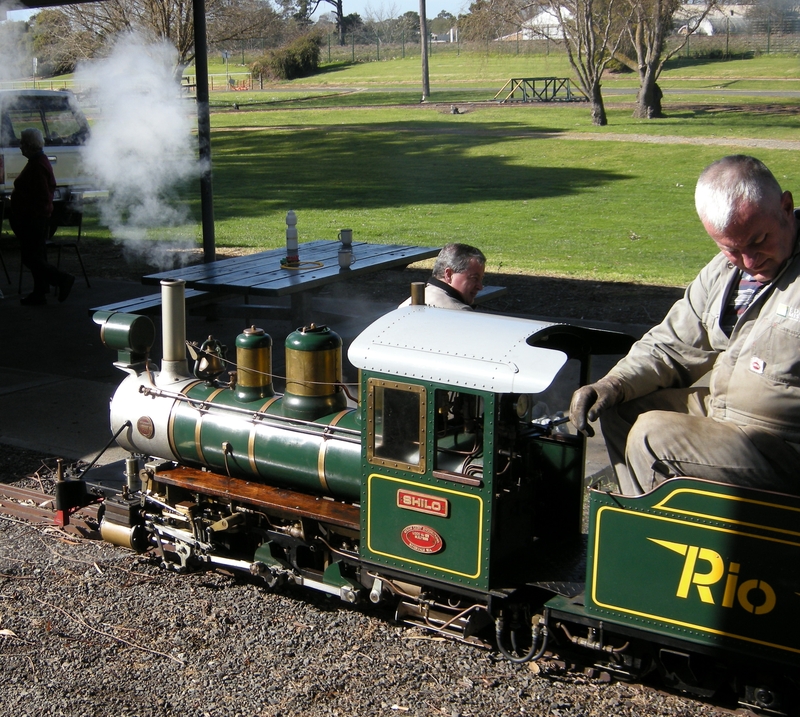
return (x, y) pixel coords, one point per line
(588, 402)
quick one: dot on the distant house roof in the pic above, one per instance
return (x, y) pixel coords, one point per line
(544, 24)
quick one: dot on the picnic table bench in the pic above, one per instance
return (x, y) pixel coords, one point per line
(151, 303)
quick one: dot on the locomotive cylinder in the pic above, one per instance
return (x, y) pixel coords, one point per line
(313, 373)
(254, 365)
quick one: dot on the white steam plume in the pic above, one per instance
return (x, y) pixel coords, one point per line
(141, 148)
(14, 60)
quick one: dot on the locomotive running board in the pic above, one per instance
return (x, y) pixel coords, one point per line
(279, 501)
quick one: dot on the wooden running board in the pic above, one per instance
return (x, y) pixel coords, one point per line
(278, 501)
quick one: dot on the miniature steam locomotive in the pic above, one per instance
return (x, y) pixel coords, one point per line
(450, 491)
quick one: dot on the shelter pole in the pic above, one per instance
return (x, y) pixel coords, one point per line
(203, 128)
(423, 42)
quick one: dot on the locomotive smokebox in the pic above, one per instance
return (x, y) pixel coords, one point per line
(313, 373)
(254, 365)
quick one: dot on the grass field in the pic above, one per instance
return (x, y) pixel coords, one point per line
(537, 187)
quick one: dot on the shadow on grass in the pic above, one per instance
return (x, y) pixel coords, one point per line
(718, 57)
(382, 166)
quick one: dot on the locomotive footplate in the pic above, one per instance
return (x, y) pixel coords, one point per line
(279, 501)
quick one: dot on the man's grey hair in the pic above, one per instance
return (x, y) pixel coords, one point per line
(32, 137)
(730, 182)
(456, 257)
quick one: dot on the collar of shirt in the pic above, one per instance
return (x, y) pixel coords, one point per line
(449, 290)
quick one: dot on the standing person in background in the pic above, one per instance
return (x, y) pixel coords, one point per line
(457, 278)
(31, 208)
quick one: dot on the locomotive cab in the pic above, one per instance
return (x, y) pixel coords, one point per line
(467, 474)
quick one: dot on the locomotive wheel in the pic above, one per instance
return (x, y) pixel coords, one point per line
(768, 695)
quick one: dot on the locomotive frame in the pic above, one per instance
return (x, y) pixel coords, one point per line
(452, 492)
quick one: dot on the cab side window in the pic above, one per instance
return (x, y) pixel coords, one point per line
(55, 118)
(19, 119)
(396, 431)
(459, 432)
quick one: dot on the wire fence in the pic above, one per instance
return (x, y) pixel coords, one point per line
(699, 47)
(718, 46)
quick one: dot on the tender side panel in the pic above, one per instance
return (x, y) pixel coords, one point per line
(699, 561)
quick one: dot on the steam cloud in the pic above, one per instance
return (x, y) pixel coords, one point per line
(141, 148)
(13, 62)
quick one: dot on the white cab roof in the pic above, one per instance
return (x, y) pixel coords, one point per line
(458, 348)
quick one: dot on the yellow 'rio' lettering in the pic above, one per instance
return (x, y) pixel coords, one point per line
(716, 570)
(730, 585)
(701, 580)
(744, 596)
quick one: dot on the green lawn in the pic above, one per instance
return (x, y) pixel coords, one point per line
(591, 209)
(536, 186)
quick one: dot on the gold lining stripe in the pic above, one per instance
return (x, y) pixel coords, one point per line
(338, 417)
(251, 441)
(173, 446)
(323, 481)
(198, 426)
(321, 466)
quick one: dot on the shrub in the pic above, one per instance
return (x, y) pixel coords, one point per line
(300, 58)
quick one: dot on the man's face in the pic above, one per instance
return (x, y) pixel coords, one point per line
(760, 239)
(467, 283)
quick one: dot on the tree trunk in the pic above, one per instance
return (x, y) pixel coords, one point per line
(598, 108)
(423, 42)
(648, 101)
(340, 21)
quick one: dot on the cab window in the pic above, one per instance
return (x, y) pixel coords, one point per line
(54, 117)
(396, 425)
(459, 432)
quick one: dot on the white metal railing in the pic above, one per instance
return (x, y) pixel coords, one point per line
(216, 83)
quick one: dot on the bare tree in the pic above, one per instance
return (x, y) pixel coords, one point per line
(306, 8)
(590, 30)
(72, 33)
(489, 19)
(650, 24)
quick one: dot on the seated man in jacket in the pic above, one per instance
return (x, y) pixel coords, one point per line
(740, 321)
(456, 279)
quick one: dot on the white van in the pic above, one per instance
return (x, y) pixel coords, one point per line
(64, 128)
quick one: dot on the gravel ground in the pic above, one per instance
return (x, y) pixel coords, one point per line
(90, 629)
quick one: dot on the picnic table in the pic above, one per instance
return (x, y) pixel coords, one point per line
(263, 274)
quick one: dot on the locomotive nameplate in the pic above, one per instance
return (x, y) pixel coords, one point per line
(422, 502)
(146, 427)
(422, 539)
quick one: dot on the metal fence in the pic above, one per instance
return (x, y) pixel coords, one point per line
(699, 46)
(716, 47)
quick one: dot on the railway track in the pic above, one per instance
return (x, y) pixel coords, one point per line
(39, 508)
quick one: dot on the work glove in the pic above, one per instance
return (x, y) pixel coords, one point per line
(589, 401)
